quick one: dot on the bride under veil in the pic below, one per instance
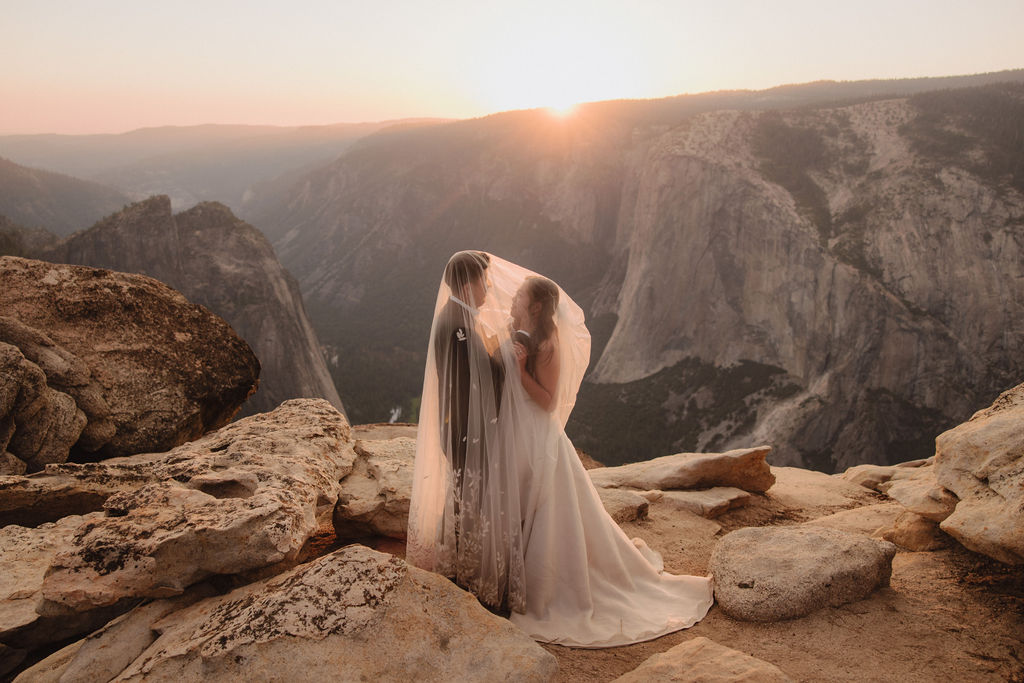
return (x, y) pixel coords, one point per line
(500, 501)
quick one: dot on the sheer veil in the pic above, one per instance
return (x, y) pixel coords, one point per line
(466, 518)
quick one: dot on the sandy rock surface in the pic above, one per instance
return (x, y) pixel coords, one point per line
(167, 369)
(776, 573)
(982, 463)
(700, 660)
(744, 468)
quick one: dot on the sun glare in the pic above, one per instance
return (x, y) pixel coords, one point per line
(562, 111)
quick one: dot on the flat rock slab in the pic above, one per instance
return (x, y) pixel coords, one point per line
(244, 497)
(60, 491)
(871, 476)
(355, 614)
(374, 497)
(384, 431)
(623, 505)
(744, 468)
(922, 495)
(702, 660)
(982, 463)
(775, 573)
(708, 503)
(863, 520)
(808, 490)
(25, 556)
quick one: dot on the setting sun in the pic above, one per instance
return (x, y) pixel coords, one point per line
(562, 110)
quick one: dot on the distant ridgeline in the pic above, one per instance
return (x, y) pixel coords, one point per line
(834, 269)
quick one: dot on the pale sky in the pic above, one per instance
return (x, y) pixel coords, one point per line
(107, 66)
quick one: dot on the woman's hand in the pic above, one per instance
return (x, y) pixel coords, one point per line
(520, 352)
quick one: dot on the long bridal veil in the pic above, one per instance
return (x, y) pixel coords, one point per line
(466, 514)
(500, 500)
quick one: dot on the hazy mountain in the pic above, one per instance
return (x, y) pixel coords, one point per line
(17, 240)
(57, 202)
(221, 262)
(191, 163)
(841, 277)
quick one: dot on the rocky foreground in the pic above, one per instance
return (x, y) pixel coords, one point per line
(231, 557)
(272, 548)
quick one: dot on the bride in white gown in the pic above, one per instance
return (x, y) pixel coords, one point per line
(501, 502)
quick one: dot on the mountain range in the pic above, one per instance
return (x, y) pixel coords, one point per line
(834, 269)
(190, 164)
(831, 268)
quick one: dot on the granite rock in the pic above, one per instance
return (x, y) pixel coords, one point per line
(982, 462)
(743, 468)
(775, 573)
(167, 369)
(354, 614)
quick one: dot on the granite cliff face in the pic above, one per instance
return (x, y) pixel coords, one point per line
(222, 263)
(884, 281)
(842, 281)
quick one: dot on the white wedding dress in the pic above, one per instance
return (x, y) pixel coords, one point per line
(587, 584)
(501, 502)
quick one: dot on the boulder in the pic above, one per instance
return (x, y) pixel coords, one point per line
(744, 468)
(623, 505)
(374, 496)
(700, 660)
(922, 494)
(355, 614)
(708, 503)
(38, 425)
(775, 573)
(10, 465)
(66, 373)
(242, 498)
(168, 370)
(982, 463)
(913, 532)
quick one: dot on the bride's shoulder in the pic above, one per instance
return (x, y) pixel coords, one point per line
(549, 346)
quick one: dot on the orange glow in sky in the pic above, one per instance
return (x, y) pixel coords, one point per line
(114, 65)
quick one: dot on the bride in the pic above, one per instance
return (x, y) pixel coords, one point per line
(501, 502)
